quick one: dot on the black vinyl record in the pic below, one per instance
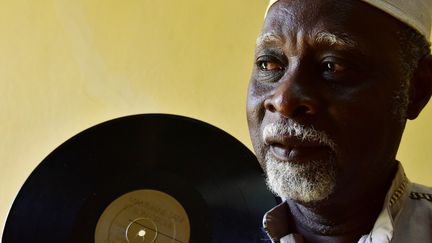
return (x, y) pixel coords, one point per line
(144, 178)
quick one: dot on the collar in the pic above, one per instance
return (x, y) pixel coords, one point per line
(277, 222)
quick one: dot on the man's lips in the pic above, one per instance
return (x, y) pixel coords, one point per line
(292, 149)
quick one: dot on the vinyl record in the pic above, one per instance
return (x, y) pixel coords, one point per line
(143, 178)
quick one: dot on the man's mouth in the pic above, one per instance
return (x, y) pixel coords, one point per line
(292, 149)
(292, 142)
(301, 153)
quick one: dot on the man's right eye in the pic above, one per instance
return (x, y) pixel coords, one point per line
(269, 66)
(269, 63)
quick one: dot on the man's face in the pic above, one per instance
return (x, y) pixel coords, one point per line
(327, 99)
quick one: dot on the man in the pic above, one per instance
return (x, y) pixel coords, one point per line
(333, 84)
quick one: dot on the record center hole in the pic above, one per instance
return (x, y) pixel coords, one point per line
(141, 233)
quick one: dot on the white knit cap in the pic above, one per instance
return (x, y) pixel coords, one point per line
(415, 13)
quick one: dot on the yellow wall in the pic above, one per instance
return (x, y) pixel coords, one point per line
(66, 65)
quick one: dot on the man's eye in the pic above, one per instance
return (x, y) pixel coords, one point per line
(270, 66)
(333, 67)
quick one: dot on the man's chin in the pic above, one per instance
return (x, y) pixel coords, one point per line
(305, 183)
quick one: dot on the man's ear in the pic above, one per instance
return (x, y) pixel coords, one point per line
(420, 87)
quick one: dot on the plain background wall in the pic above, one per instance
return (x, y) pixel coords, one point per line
(66, 65)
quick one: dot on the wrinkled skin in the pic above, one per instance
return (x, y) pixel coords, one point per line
(343, 89)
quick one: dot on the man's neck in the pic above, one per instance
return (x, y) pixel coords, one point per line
(348, 226)
(346, 221)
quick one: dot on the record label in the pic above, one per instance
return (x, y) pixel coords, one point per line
(143, 216)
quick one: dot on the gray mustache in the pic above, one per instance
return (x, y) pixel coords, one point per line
(294, 129)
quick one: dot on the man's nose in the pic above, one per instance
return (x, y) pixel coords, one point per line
(293, 98)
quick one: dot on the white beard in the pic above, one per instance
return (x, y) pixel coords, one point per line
(302, 182)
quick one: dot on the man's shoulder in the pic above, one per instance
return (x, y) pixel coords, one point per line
(420, 187)
(420, 194)
(413, 224)
(419, 201)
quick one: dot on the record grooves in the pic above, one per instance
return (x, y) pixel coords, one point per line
(143, 178)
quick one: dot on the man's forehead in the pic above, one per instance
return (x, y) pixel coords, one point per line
(414, 13)
(291, 23)
(323, 21)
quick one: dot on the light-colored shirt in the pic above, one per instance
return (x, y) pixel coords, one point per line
(406, 216)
